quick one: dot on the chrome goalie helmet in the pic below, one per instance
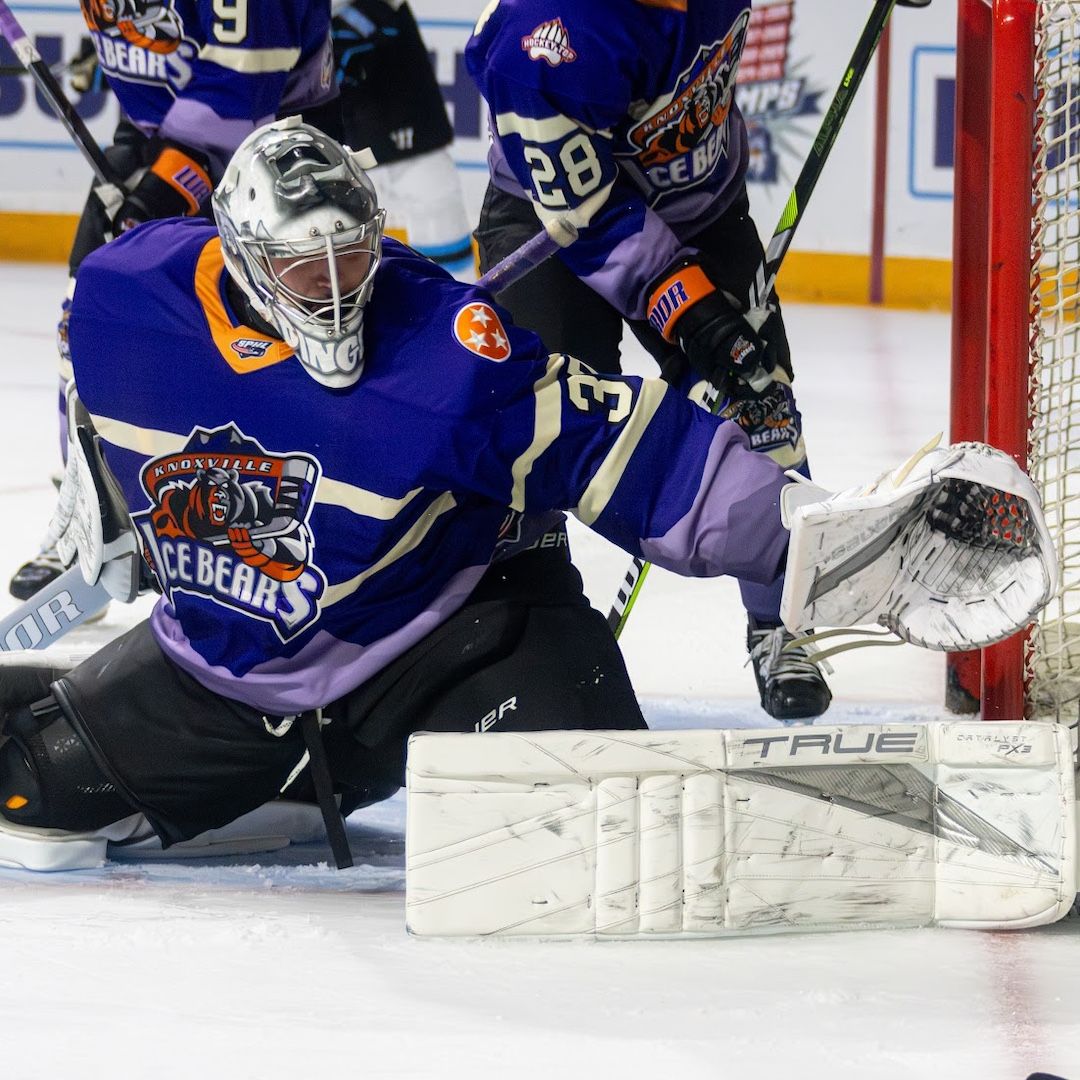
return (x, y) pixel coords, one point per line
(301, 233)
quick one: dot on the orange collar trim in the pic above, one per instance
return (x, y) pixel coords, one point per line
(243, 349)
(671, 5)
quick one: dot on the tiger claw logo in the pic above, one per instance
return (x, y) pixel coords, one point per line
(681, 141)
(228, 521)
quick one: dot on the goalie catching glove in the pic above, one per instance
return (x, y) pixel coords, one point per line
(722, 342)
(91, 521)
(950, 551)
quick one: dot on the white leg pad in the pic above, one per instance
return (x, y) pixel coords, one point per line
(713, 833)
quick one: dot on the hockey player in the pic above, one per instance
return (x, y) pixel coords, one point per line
(348, 473)
(621, 115)
(193, 79)
(392, 104)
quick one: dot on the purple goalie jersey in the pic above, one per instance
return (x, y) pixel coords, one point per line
(304, 537)
(621, 114)
(207, 74)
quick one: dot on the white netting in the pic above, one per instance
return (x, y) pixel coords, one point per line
(1053, 656)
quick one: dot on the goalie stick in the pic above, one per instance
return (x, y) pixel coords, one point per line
(68, 601)
(764, 283)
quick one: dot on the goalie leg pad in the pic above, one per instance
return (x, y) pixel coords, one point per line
(713, 833)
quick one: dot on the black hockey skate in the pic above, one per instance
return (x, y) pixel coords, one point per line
(790, 683)
(43, 569)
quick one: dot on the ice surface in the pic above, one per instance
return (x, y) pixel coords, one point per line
(286, 968)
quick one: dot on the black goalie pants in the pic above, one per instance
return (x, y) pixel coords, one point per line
(526, 653)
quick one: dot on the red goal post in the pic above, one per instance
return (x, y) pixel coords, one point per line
(1015, 343)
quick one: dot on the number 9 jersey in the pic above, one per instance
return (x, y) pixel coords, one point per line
(205, 73)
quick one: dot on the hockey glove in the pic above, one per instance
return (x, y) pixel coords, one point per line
(175, 185)
(84, 73)
(687, 307)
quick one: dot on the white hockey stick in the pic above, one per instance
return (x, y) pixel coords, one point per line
(49, 614)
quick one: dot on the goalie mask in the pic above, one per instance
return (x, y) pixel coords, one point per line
(301, 233)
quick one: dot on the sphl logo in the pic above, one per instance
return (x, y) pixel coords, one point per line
(549, 42)
(250, 348)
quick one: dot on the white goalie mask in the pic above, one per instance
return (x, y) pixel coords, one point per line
(301, 233)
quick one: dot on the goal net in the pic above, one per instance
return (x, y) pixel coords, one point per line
(1052, 653)
(1016, 338)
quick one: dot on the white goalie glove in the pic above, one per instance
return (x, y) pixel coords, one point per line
(950, 551)
(91, 521)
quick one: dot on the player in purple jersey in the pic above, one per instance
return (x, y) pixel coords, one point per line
(193, 80)
(348, 472)
(621, 114)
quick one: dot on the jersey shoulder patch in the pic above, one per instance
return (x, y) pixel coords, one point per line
(478, 328)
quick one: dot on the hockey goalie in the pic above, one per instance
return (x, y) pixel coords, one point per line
(387, 560)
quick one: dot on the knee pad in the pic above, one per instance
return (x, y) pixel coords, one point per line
(48, 778)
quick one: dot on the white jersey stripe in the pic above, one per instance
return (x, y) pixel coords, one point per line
(361, 502)
(250, 61)
(547, 425)
(330, 492)
(409, 542)
(606, 479)
(545, 130)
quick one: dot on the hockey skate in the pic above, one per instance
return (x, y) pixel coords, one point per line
(43, 569)
(790, 681)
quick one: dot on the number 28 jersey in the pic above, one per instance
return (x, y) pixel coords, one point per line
(620, 114)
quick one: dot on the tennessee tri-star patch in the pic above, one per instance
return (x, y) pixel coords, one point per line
(477, 327)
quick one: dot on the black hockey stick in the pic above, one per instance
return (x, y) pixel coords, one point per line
(764, 283)
(31, 59)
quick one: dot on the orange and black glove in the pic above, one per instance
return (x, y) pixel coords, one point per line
(689, 309)
(176, 184)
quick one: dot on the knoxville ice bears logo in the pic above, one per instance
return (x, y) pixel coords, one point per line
(140, 41)
(228, 521)
(680, 142)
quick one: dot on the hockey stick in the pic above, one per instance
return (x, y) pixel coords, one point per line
(31, 59)
(50, 613)
(68, 601)
(764, 283)
(557, 234)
